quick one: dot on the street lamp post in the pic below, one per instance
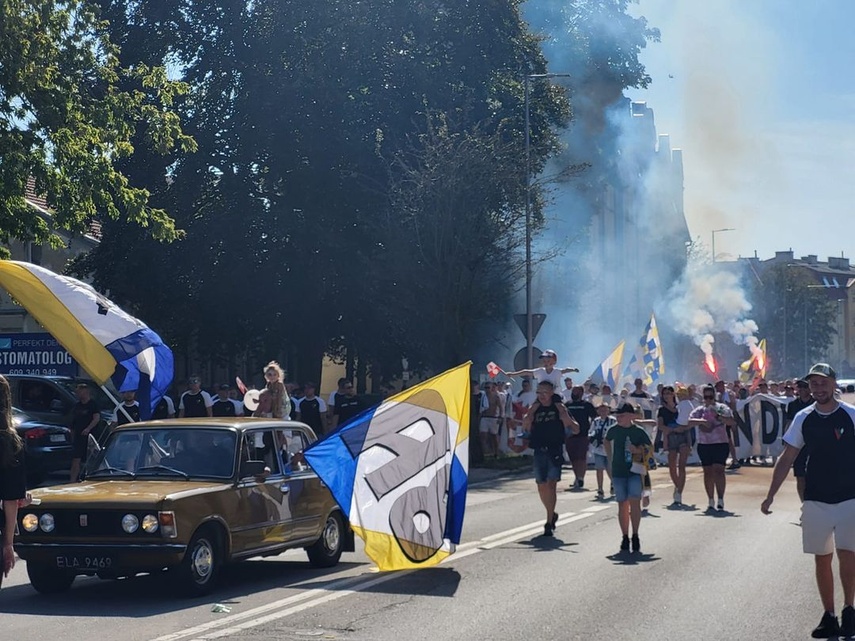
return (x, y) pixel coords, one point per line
(714, 232)
(529, 325)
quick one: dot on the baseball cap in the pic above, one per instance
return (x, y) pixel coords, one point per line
(225, 386)
(821, 369)
(626, 408)
(802, 383)
(548, 353)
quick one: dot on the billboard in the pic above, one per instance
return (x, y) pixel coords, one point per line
(36, 355)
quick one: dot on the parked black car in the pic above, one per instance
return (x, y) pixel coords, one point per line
(51, 399)
(47, 446)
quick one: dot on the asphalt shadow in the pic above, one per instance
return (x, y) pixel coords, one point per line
(547, 544)
(682, 507)
(719, 514)
(435, 581)
(153, 594)
(632, 558)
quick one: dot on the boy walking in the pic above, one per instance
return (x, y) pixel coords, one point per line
(623, 441)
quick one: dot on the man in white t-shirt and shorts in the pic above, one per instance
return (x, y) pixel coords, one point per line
(827, 430)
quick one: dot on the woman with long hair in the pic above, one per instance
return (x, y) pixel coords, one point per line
(676, 441)
(13, 477)
(274, 401)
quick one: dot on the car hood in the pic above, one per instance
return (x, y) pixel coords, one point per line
(113, 493)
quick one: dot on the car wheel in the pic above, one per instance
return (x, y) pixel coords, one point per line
(326, 551)
(47, 579)
(200, 567)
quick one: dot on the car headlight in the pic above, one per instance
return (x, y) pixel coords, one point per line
(130, 523)
(46, 522)
(150, 523)
(30, 522)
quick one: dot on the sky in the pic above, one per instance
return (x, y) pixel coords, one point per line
(759, 96)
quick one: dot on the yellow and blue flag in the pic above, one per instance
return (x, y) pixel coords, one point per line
(608, 371)
(754, 365)
(399, 472)
(108, 343)
(648, 363)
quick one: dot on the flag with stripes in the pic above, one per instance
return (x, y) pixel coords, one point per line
(608, 372)
(648, 363)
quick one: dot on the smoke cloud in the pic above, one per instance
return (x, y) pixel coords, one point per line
(707, 300)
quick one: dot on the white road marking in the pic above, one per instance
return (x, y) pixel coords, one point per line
(351, 585)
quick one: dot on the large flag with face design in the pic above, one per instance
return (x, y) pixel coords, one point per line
(108, 343)
(399, 472)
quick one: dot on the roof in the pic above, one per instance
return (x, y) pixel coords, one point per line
(40, 204)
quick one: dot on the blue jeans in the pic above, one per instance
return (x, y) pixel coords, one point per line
(627, 487)
(547, 465)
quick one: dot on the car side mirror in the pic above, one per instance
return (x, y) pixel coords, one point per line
(56, 405)
(252, 468)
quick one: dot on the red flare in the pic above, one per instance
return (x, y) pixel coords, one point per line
(710, 363)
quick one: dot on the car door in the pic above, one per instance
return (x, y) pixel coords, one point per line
(308, 495)
(264, 517)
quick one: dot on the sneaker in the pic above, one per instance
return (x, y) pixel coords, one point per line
(720, 506)
(847, 622)
(735, 465)
(547, 529)
(636, 544)
(601, 495)
(678, 498)
(580, 484)
(827, 628)
(624, 544)
(554, 519)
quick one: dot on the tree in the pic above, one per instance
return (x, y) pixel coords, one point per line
(796, 316)
(69, 114)
(298, 108)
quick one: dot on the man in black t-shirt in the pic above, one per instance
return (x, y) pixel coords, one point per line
(224, 405)
(84, 417)
(195, 402)
(544, 426)
(128, 408)
(583, 412)
(347, 405)
(803, 400)
(312, 410)
(827, 430)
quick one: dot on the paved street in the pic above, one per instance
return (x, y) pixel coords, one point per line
(734, 576)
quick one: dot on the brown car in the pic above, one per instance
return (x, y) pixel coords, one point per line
(185, 496)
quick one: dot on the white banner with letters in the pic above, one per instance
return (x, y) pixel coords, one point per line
(760, 425)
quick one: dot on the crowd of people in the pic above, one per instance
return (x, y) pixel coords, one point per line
(277, 399)
(622, 432)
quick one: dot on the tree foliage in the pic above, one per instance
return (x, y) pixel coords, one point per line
(359, 181)
(69, 114)
(796, 316)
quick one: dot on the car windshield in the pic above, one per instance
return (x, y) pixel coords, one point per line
(166, 452)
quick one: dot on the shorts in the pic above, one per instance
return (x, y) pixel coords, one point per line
(826, 526)
(713, 453)
(627, 487)
(677, 440)
(547, 465)
(800, 464)
(601, 461)
(577, 447)
(79, 446)
(489, 425)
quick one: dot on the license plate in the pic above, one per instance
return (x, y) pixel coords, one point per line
(84, 562)
(57, 438)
